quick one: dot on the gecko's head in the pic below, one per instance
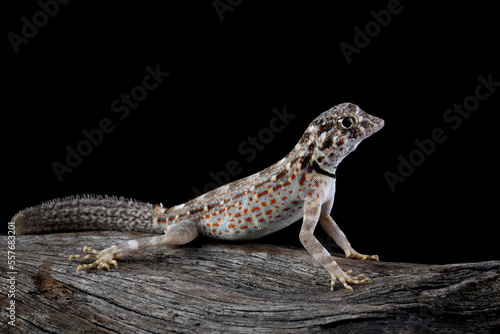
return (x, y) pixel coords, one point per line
(336, 133)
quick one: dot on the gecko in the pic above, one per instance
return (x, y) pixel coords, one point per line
(301, 185)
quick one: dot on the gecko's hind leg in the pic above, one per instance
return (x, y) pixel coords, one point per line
(178, 234)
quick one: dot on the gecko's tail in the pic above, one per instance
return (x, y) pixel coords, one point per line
(86, 212)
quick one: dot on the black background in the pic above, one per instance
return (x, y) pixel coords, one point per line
(226, 76)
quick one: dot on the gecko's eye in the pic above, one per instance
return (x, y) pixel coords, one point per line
(347, 122)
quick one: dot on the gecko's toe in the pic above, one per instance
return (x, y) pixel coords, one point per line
(101, 259)
(345, 278)
(86, 257)
(356, 255)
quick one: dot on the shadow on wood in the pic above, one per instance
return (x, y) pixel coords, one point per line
(215, 287)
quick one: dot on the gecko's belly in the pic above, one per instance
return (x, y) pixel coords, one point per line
(239, 225)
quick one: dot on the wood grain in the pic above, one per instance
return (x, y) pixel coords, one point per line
(238, 288)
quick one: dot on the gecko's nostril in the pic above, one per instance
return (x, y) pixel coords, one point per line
(379, 122)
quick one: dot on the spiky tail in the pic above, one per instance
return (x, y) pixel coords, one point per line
(86, 212)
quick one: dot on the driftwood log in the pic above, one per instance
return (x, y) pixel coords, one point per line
(238, 288)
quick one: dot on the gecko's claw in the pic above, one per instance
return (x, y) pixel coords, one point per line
(102, 260)
(344, 278)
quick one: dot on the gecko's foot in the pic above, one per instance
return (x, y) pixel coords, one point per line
(354, 254)
(345, 277)
(102, 259)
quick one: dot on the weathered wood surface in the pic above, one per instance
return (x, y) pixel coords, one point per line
(215, 287)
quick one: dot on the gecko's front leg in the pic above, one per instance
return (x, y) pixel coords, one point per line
(312, 211)
(334, 231)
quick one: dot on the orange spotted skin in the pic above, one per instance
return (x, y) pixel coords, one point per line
(274, 198)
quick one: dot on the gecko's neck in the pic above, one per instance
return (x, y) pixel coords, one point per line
(306, 158)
